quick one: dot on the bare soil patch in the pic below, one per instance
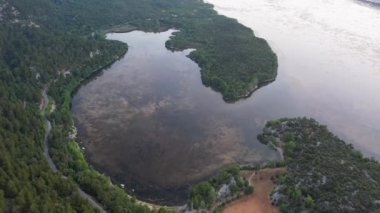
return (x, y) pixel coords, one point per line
(258, 202)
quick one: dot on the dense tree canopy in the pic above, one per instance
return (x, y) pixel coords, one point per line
(324, 174)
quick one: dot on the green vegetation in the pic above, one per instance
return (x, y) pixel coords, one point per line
(324, 173)
(49, 106)
(26, 182)
(59, 44)
(68, 156)
(233, 61)
(2, 201)
(202, 196)
(224, 187)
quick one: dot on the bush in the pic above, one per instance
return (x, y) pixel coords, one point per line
(202, 196)
(248, 190)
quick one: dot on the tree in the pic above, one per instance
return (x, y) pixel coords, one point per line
(309, 201)
(248, 190)
(11, 189)
(2, 201)
(202, 195)
(290, 148)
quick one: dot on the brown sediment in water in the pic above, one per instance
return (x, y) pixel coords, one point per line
(150, 124)
(168, 162)
(259, 201)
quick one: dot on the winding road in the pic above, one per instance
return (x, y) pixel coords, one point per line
(52, 166)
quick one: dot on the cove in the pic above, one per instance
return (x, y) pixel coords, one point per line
(149, 123)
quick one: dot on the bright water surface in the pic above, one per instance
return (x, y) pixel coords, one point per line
(329, 63)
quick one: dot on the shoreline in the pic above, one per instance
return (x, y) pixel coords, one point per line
(129, 28)
(91, 198)
(250, 92)
(245, 96)
(45, 102)
(130, 190)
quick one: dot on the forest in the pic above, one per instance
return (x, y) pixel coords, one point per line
(60, 43)
(26, 182)
(324, 174)
(232, 60)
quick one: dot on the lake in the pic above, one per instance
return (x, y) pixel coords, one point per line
(149, 123)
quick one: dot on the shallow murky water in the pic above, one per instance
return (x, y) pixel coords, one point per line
(150, 124)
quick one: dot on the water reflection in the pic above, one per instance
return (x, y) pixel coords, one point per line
(150, 124)
(329, 63)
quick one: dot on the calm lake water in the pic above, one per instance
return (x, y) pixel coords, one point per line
(329, 63)
(150, 124)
